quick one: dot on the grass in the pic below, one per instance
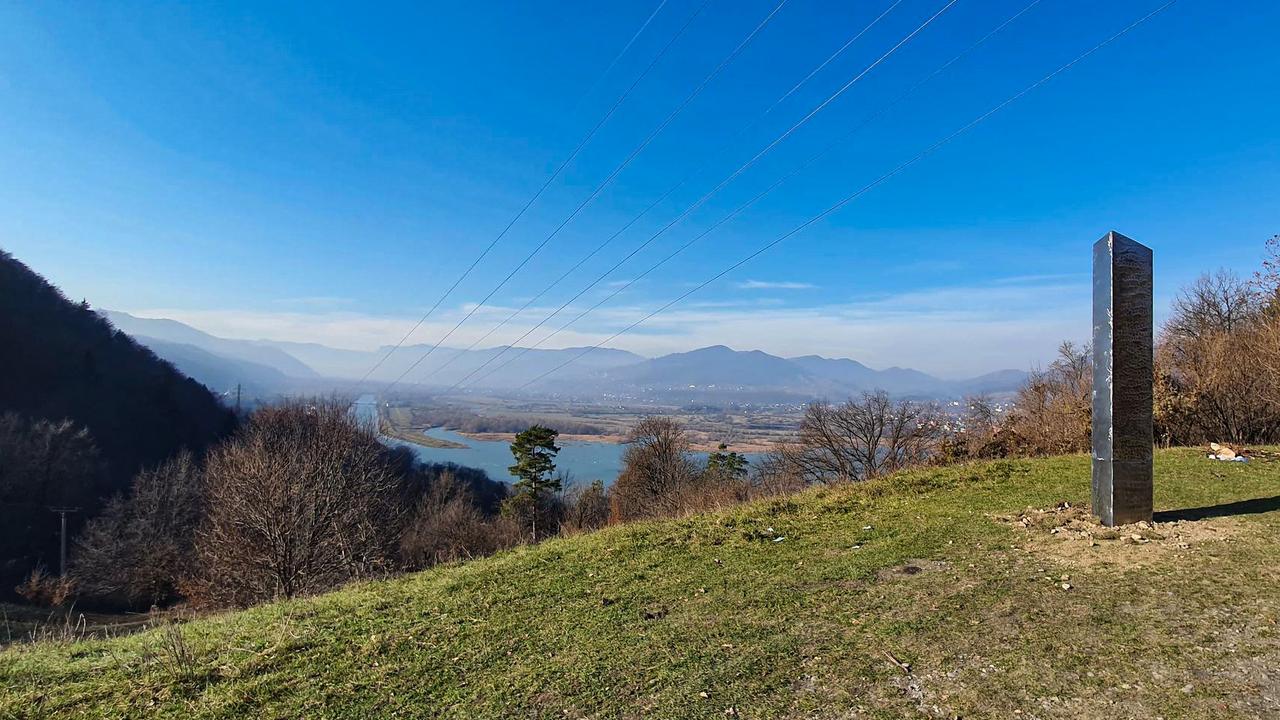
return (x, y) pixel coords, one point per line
(920, 595)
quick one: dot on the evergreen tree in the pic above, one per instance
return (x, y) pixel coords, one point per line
(729, 465)
(534, 451)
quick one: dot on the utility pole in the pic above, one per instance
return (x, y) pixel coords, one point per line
(237, 399)
(62, 553)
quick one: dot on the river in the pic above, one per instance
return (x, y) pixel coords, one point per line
(583, 462)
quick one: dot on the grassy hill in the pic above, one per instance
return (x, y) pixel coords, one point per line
(936, 593)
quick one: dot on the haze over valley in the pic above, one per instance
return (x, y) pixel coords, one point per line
(710, 375)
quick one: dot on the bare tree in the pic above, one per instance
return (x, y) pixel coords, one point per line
(301, 500)
(1215, 302)
(862, 439)
(1053, 412)
(448, 526)
(1267, 279)
(1217, 360)
(656, 465)
(43, 463)
(586, 508)
(139, 550)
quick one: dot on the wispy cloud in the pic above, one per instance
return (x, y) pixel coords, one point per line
(774, 285)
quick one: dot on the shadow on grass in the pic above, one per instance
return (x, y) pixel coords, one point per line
(1241, 507)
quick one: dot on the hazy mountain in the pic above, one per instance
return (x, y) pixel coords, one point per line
(172, 331)
(717, 366)
(854, 375)
(698, 375)
(327, 361)
(316, 362)
(445, 365)
(220, 373)
(702, 375)
(994, 382)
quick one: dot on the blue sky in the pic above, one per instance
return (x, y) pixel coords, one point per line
(322, 172)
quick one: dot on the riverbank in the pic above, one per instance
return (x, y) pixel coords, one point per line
(417, 436)
(397, 423)
(702, 445)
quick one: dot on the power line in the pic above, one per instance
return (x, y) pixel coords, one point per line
(576, 150)
(599, 188)
(720, 186)
(609, 68)
(642, 213)
(834, 55)
(861, 191)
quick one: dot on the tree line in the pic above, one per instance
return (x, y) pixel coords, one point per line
(301, 498)
(1217, 377)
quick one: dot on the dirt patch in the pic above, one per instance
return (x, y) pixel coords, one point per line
(1071, 534)
(911, 568)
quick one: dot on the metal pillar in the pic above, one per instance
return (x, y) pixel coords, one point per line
(1123, 371)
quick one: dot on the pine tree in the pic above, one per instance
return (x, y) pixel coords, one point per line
(729, 465)
(534, 451)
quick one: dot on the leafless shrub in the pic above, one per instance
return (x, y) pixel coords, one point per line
(773, 475)
(980, 433)
(1215, 303)
(300, 501)
(1054, 410)
(1268, 349)
(710, 490)
(46, 590)
(1216, 361)
(586, 508)
(1220, 386)
(71, 627)
(861, 439)
(448, 526)
(138, 550)
(175, 655)
(656, 465)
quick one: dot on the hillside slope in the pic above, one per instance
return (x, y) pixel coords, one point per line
(59, 359)
(219, 373)
(922, 595)
(172, 331)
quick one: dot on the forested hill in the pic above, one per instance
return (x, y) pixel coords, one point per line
(61, 361)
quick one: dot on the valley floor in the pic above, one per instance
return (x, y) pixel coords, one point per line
(974, 591)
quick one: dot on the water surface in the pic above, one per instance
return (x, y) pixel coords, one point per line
(583, 462)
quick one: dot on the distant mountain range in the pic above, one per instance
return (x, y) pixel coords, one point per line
(707, 374)
(719, 370)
